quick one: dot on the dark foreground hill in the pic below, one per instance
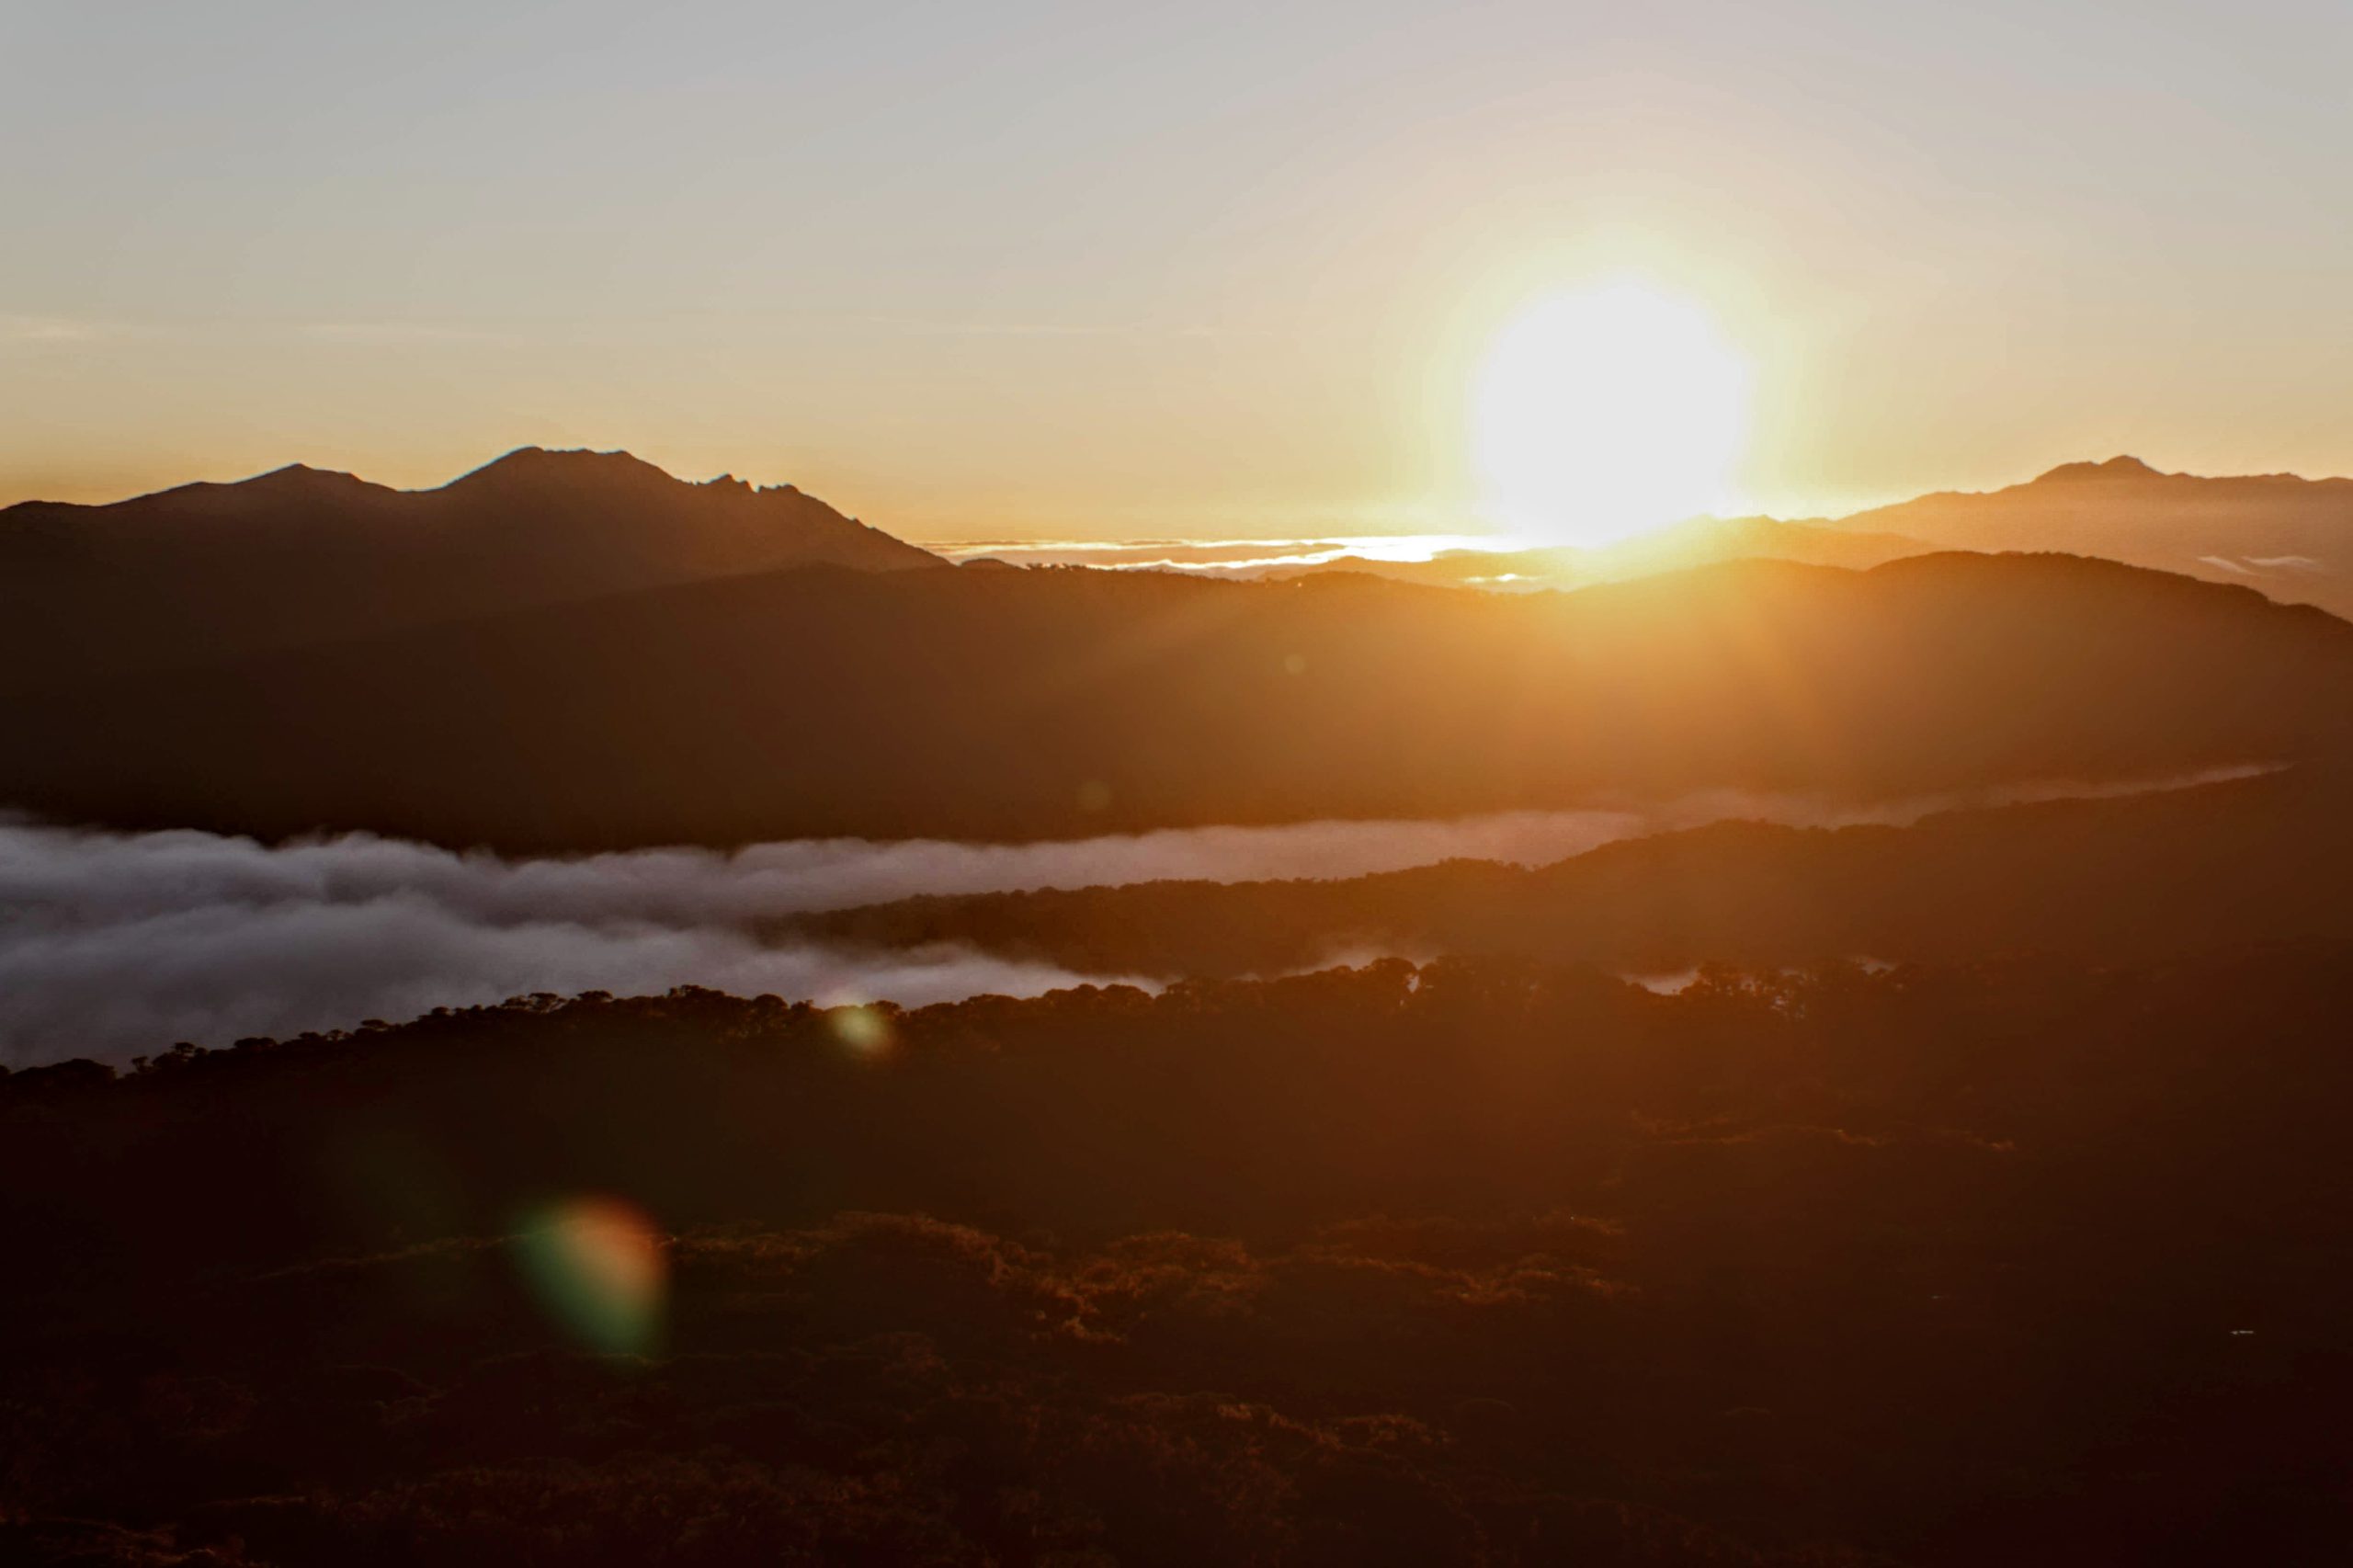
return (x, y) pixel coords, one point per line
(2125, 879)
(1035, 704)
(1481, 1263)
(297, 555)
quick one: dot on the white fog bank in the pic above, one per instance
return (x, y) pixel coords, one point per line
(117, 944)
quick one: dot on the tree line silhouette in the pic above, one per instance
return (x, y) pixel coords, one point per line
(1483, 1261)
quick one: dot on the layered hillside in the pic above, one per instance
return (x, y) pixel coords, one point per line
(2136, 878)
(1049, 704)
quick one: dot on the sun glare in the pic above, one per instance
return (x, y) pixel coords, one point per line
(1605, 413)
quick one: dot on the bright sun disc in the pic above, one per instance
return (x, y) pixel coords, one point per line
(1603, 414)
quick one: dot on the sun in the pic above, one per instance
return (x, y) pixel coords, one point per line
(1607, 413)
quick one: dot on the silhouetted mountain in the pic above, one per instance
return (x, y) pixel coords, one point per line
(2120, 467)
(297, 555)
(2291, 537)
(1055, 703)
(2127, 879)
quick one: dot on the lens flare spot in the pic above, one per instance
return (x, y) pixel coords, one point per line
(598, 1268)
(866, 1030)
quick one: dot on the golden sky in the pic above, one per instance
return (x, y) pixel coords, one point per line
(1222, 269)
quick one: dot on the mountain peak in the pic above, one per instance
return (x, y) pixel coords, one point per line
(537, 466)
(2114, 468)
(298, 479)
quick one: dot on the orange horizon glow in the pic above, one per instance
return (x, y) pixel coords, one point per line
(1472, 424)
(1136, 278)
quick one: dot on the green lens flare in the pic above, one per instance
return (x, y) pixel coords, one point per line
(597, 1266)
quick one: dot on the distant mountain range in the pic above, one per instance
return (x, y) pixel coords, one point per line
(297, 555)
(2290, 538)
(300, 555)
(572, 650)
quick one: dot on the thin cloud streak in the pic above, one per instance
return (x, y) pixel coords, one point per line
(1214, 557)
(395, 335)
(55, 329)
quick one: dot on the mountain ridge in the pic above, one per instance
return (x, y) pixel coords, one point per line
(2286, 535)
(1024, 705)
(297, 554)
(2289, 537)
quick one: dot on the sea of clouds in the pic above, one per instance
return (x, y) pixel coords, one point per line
(115, 944)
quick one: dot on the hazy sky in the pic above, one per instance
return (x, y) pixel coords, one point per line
(1210, 268)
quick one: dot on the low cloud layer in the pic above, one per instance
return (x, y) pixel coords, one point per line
(118, 944)
(219, 972)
